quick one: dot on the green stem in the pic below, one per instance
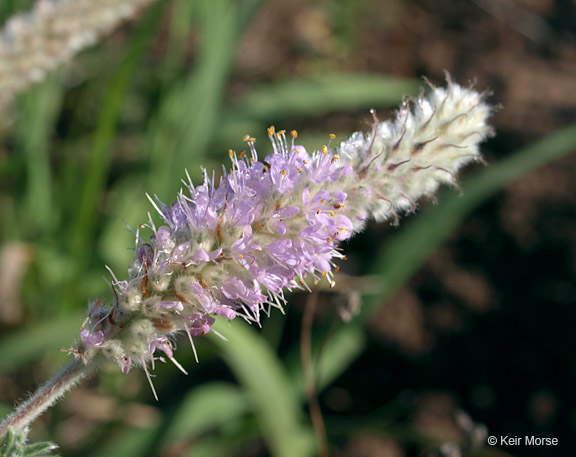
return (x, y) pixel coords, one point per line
(72, 373)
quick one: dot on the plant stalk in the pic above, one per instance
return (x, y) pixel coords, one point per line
(72, 373)
(307, 372)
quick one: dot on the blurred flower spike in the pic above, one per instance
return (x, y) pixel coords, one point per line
(232, 247)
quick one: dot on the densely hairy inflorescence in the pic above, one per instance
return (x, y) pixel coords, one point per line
(34, 43)
(232, 248)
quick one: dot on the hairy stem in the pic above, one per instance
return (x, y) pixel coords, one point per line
(72, 373)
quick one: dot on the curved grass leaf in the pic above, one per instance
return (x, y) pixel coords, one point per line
(207, 407)
(409, 249)
(93, 180)
(29, 343)
(40, 106)
(133, 442)
(309, 96)
(336, 354)
(268, 386)
(188, 114)
(213, 446)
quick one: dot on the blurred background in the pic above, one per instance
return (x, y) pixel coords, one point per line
(456, 325)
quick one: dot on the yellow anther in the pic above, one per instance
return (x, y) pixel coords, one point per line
(241, 256)
(251, 160)
(330, 239)
(299, 170)
(271, 130)
(324, 149)
(230, 152)
(336, 156)
(324, 273)
(332, 136)
(294, 134)
(305, 162)
(332, 213)
(281, 132)
(246, 138)
(318, 212)
(322, 201)
(283, 172)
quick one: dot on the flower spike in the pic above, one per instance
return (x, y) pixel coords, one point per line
(231, 248)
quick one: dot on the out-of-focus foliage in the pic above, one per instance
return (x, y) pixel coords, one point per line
(173, 91)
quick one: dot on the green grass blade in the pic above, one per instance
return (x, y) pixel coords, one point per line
(213, 446)
(268, 386)
(181, 127)
(213, 406)
(7, 8)
(184, 122)
(10, 228)
(310, 96)
(31, 342)
(133, 442)
(188, 114)
(97, 166)
(246, 13)
(177, 41)
(207, 407)
(40, 107)
(343, 348)
(333, 358)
